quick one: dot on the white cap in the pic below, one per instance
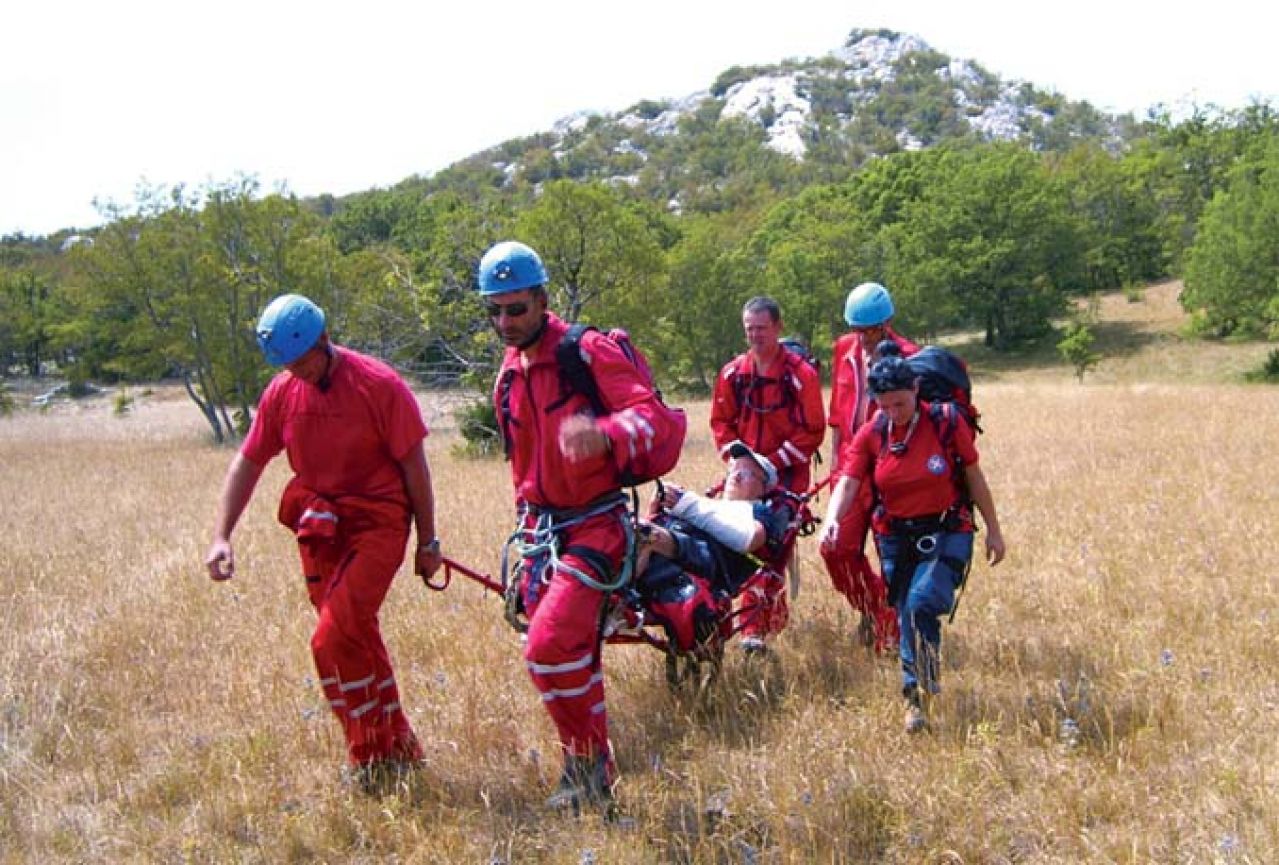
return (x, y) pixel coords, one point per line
(738, 448)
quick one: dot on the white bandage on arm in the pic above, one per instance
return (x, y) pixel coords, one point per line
(730, 523)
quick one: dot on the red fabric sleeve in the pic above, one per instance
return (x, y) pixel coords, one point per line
(635, 419)
(807, 436)
(964, 444)
(843, 390)
(266, 438)
(857, 455)
(401, 418)
(724, 408)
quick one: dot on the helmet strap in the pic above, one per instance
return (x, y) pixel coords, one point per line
(325, 382)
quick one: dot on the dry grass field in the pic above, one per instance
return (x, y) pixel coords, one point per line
(1110, 692)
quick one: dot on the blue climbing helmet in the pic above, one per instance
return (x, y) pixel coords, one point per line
(868, 305)
(290, 325)
(510, 266)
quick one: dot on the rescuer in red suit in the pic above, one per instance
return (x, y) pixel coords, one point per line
(354, 435)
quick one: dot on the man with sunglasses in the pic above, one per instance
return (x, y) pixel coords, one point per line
(869, 313)
(567, 465)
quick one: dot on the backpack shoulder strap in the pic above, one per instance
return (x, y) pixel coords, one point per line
(944, 417)
(574, 371)
(504, 418)
(737, 380)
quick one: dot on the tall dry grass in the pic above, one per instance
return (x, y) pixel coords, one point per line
(1109, 691)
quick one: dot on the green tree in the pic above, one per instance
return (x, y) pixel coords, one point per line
(1116, 218)
(601, 256)
(809, 252)
(709, 282)
(174, 288)
(1076, 348)
(1232, 269)
(25, 318)
(989, 242)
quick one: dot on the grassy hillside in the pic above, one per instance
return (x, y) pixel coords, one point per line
(1140, 340)
(1109, 690)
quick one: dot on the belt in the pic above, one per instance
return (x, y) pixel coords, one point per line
(923, 525)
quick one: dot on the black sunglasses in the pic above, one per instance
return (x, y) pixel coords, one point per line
(512, 310)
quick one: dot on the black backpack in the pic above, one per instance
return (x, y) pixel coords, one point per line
(576, 378)
(943, 377)
(799, 347)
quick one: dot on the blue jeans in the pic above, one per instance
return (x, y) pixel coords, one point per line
(930, 596)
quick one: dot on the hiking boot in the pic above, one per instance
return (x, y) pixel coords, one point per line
(586, 782)
(754, 646)
(916, 721)
(866, 631)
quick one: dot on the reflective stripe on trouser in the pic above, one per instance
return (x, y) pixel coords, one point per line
(563, 645)
(852, 575)
(347, 581)
(931, 595)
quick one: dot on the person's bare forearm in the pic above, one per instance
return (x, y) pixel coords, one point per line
(417, 483)
(237, 489)
(980, 492)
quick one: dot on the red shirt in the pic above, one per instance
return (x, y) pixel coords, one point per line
(539, 407)
(347, 440)
(779, 416)
(850, 403)
(919, 482)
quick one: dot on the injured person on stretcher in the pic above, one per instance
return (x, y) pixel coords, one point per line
(697, 553)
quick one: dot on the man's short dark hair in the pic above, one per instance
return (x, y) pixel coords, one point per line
(764, 304)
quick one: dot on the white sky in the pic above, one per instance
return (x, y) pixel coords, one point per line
(337, 97)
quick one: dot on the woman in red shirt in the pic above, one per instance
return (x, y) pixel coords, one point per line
(922, 464)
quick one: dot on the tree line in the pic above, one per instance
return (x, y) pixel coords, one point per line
(993, 237)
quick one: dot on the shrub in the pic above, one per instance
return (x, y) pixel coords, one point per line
(123, 403)
(1076, 348)
(733, 75)
(1269, 371)
(477, 423)
(6, 400)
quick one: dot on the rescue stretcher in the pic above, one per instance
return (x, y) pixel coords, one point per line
(685, 618)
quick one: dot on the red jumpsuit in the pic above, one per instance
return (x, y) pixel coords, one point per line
(778, 413)
(348, 505)
(850, 407)
(563, 648)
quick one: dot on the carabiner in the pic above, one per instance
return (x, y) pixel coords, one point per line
(926, 545)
